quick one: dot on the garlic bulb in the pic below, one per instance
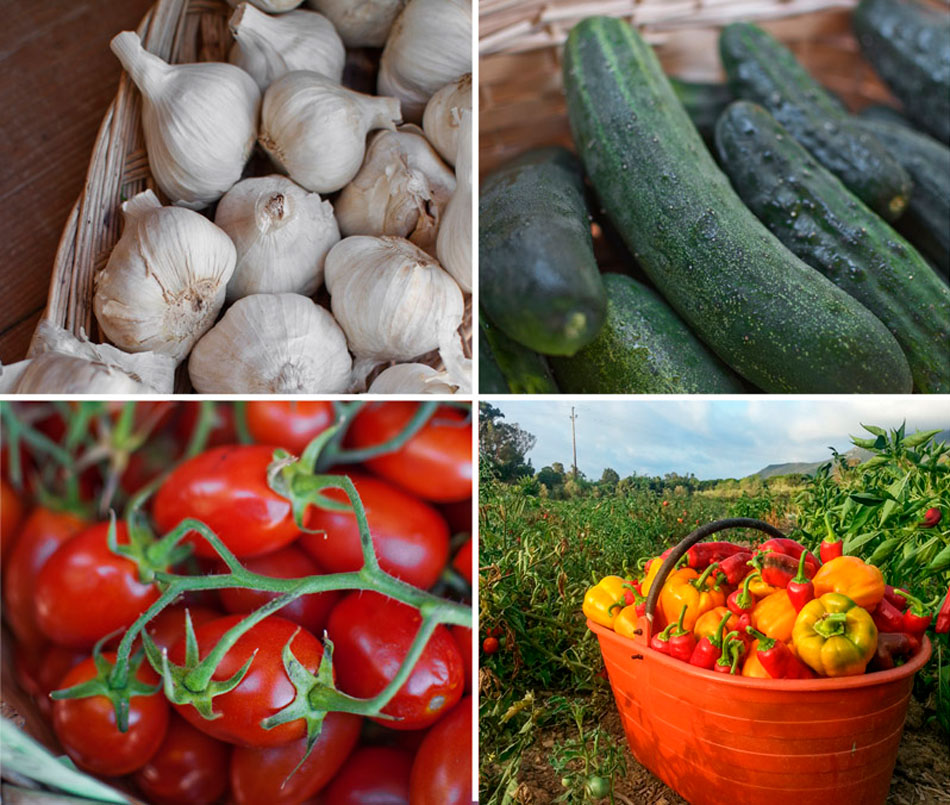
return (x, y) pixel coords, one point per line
(273, 6)
(454, 243)
(200, 121)
(282, 234)
(316, 130)
(443, 116)
(269, 47)
(55, 373)
(401, 189)
(361, 23)
(411, 378)
(272, 344)
(165, 280)
(430, 45)
(10, 376)
(393, 301)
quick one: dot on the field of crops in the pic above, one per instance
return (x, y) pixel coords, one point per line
(548, 724)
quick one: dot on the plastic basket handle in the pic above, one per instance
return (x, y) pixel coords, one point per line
(689, 541)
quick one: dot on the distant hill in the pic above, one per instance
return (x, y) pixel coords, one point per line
(858, 453)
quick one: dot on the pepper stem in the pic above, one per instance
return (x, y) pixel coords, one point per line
(831, 624)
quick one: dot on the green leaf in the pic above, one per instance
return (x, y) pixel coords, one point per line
(852, 543)
(876, 461)
(867, 444)
(919, 438)
(941, 561)
(866, 498)
(874, 429)
(884, 551)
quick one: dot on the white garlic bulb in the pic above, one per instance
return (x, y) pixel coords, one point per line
(165, 280)
(360, 23)
(272, 344)
(401, 189)
(200, 121)
(454, 243)
(282, 234)
(315, 130)
(54, 373)
(393, 301)
(268, 47)
(411, 378)
(430, 45)
(273, 6)
(443, 116)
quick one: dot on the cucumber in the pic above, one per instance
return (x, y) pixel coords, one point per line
(524, 371)
(768, 315)
(927, 220)
(539, 280)
(643, 348)
(909, 46)
(703, 103)
(816, 217)
(491, 380)
(764, 71)
(887, 114)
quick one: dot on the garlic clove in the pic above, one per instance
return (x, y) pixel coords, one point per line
(282, 234)
(443, 116)
(272, 6)
(165, 280)
(272, 344)
(430, 44)
(412, 378)
(269, 47)
(200, 121)
(316, 130)
(401, 189)
(392, 300)
(360, 23)
(10, 376)
(454, 242)
(55, 373)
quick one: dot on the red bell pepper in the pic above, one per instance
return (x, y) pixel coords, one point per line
(943, 616)
(915, 618)
(736, 567)
(890, 647)
(895, 596)
(931, 518)
(661, 642)
(742, 602)
(701, 555)
(887, 617)
(709, 649)
(800, 589)
(778, 569)
(789, 547)
(776, 658)
(682, 642)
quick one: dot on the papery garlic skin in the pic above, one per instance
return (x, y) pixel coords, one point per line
(360, 23)
(443, 116)
(411, 378)
(392, 300)
(401, 189)
(272, 344)
(200, 121)
(268, 47)
(430, 44)
(282, 234)
(54, 373)
(454, 242)
(165, 280)
(316, 130)
(272, 6)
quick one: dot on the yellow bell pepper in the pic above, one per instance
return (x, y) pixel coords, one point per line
(708, 622)
(753, 666)
(625, 624)
(603, 601)
(834, 636)
(760, 589)
(774, 616)
(852, 577)
(699, 593)
(647, 583)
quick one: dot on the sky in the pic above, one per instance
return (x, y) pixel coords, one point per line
(709, 438)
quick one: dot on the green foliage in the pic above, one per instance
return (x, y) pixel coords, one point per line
(503, 446)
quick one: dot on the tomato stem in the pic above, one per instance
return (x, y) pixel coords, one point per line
(421, 416)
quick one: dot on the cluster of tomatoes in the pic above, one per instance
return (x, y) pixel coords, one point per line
(64, 591)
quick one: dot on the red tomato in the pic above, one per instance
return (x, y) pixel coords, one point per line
(465, 640)
(257, 775)
(490, 645)
(84, 591)
(87, 730)
(371, 636)
(265, 688)
(291, 424)
(223, 432)
(226, 488)
(39, 672)
(435, 464)
(310, 611)
(41, 534)
(458, 515)
(373, 775)
(11, 514)
(411, 539)
(189, 768)
(463, 561)
(442, 770)
(168, 626)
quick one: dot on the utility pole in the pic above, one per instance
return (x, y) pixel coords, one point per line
(574, 441)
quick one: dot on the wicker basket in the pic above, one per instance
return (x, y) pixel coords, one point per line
(179, 31)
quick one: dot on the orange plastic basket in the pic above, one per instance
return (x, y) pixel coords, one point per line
(738, 740)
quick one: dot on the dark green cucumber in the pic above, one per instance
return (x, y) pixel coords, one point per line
(491, 380)
(703, 103)
(539, 280)
(927, 220)
(888, 114)
(764, 71)
(909, 46)
(523, 371)
(643, 348)
(768, 315)
(817, 217)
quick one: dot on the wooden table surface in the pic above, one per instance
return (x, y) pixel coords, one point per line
(57, 77)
